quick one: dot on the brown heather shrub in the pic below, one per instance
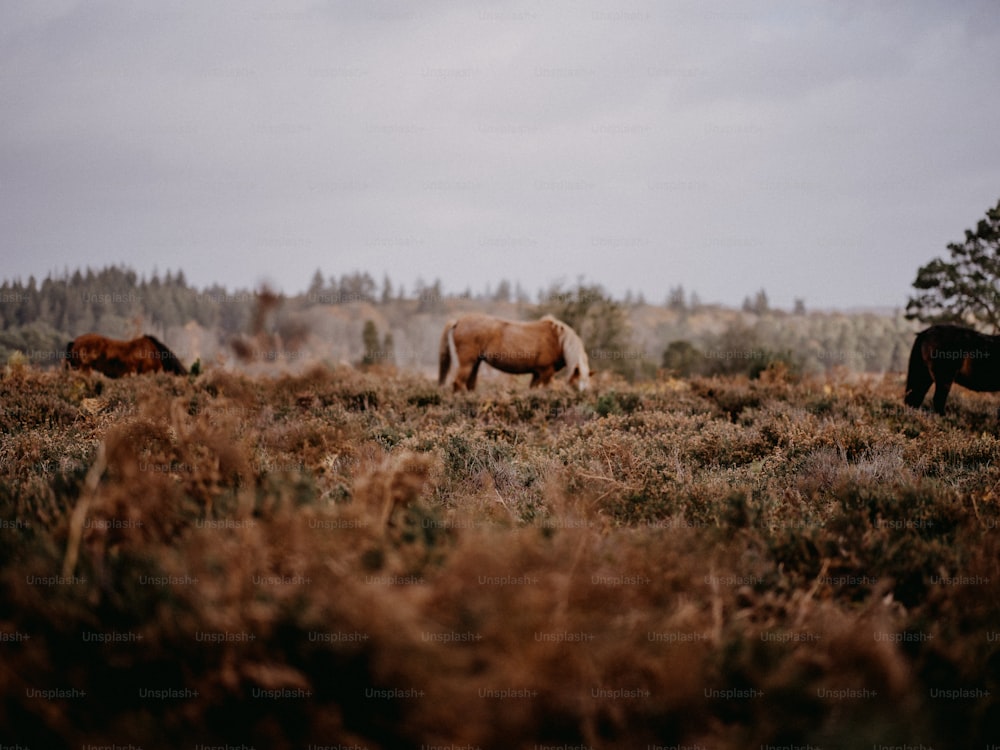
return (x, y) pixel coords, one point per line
(362, 559)
(728, 397)
(395, 484)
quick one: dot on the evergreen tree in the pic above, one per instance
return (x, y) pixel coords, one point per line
(315, 287)
(599, 320)
(430, 299)
(675, 299)
(369, 340)
(357, 287)
(503, 292)
(760, 303)
(965, 288)
(683, 358)
(388, 348)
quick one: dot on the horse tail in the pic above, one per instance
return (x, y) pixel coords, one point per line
(448, 353)
(918, 375)
(68, 356)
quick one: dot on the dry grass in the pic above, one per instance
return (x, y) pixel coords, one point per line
(350, 559)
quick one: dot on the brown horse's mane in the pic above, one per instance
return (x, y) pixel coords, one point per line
(170, 361)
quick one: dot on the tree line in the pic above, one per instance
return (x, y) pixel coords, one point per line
(38, 319)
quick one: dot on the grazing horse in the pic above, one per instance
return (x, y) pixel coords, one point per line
(541, 347)
(115, 358)
(946, 354)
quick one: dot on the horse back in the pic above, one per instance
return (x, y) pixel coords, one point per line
(529, 345)
(508, 345)
(967, 357)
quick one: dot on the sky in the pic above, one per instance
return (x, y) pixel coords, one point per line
(817, 150)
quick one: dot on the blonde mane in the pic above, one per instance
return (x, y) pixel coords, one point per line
(574, 351)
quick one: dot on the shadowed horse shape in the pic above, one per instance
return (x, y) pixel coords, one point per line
(116, 358)
(946, 354)
(541, 347)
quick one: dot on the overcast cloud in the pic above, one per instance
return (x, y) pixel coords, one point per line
(817, 150)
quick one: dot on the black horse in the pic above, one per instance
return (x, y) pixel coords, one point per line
(946, 354)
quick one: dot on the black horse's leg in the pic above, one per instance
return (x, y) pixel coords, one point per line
(941, 388)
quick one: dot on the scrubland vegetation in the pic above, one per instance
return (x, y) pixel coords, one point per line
(361, 559)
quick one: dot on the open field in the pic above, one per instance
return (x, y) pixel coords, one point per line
(363, 560)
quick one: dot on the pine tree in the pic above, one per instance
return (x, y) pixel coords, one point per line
(388, 348)
(315, 287)
(966, 288)
(503, 292)
(369, 339)
(675, 299)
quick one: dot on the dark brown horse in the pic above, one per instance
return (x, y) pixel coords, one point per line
(115, 358)
(541, 347)
(946, 354)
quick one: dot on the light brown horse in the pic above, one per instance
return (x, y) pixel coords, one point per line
(541, 347)
(115, 358)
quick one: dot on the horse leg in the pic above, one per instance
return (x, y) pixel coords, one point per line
(473, 373)
(945, 373)
(462, 374)
(941, 388)
(542, 376)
